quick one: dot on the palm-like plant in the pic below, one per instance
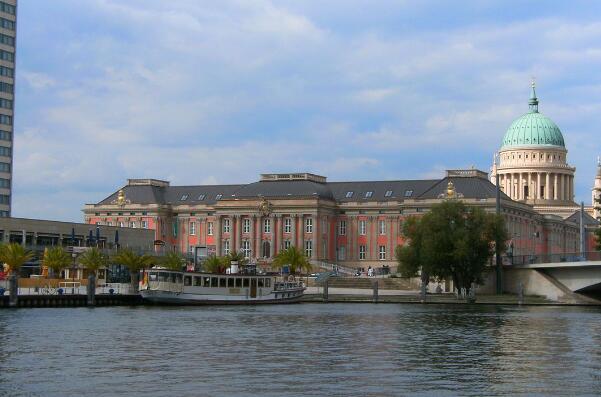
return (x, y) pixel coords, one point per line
(215, 264)
(93, 259)
(173, 261)
(14, 255)
(57, 259)
(134, 263)
(236, 257)
(294, 258)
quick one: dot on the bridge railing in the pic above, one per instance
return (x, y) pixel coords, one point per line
(551, 258)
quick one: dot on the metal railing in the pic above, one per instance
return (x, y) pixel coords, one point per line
(333, 267)
(551, 258)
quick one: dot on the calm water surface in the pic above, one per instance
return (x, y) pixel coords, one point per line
(307, 349)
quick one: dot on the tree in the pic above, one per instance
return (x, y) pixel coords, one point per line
(134, 263)
(294, 258)
(93, 259)
(215, 264)
(14, 256)
(236, 257)
(173, 261)
(57, 259)
(408, 256)
(452, 241)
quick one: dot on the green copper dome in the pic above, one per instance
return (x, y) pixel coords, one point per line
(533, 129)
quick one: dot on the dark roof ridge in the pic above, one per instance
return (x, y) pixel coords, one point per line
(387, 181)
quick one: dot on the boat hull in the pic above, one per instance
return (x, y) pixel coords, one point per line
(174, 298)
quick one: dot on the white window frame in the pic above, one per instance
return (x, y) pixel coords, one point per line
(192, 228)
(209, 228)
(121, 224)
(144, 225)
(342, 228)
(382, 252)
(362, 252)
(308, 225)
(226, 247)
(266, 225)
(287, 225)
(308, 248)
(132, 224)
(362, 228)
(287, 244)
(226, 225)
(246, 225)
(382, 226)
(246, 248)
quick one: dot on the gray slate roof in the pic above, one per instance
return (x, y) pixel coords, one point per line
(471, 187)
(588, 220)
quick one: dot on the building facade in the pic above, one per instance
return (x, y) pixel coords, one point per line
(8, 39)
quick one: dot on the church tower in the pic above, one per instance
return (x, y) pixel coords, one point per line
(597, 192)
(532, 163)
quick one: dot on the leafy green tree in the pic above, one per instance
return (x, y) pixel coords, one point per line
(134, 263)
(173, 261)
(408, 256)
(93, 259)
(14, 256)
(453, 241)
(57, 259)
(216, 264)
(236, 257)
(294, 258)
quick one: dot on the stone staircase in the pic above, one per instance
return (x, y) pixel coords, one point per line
(367, 283)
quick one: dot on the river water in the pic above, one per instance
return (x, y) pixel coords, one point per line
(305, 349)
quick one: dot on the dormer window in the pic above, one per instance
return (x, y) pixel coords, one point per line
(349, 194)
(218, 197)
(368, 194)
(184, 197)
(408, 193)
(388, 193)
(201, 197)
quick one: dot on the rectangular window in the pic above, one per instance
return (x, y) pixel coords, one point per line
(266, 225)
(368, 194)
(349, 194)
(4, 167)
(201, 197)
(5, 87)
(342, 228)
(362, 228)
(287, 244)
(184, 197)
(382, 226)
(309, 225)
(7, 24)
(7, 8)
(5, 135)
(246, 248)
(218, 197)
(408, 193)
(132, 225)
(4, 198)
(287, 225)
(5, 183)
(6, 104)
(246, 225)
(7, 40)
(192, 228)
(361, 252)
(226, 225)
(144, 225)
(308, 248)
(6, 71)
(226, 247)
(341, 253)
(388, 193)
(210, 228)
(382, 252)
(6, 120)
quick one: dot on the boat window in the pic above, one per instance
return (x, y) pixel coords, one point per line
(178, 278)
(152, 276)
(268, 282)
(171, 277)
(207, 282)
(238, 283)
(197, 281)
(188, 280)
(222, 282)
(214, 281)
(164, 277)
(246, 282)
(260, 283)
(230, 282)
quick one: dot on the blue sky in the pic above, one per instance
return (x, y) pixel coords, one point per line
(218, 92)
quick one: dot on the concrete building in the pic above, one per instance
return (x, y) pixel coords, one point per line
(8, 38)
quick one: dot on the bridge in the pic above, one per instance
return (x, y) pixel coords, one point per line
(569, 278)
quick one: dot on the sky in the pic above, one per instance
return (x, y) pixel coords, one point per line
(217, 92)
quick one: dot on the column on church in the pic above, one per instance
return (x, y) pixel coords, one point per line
(548, 186)
(217, 233)
(529, 186)
(537, 193)
(571, 196)
(520, 187)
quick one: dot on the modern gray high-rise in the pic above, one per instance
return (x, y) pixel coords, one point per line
(8, 41)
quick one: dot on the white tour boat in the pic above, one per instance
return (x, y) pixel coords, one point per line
(192, 288)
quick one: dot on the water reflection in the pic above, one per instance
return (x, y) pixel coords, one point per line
(308, 349)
